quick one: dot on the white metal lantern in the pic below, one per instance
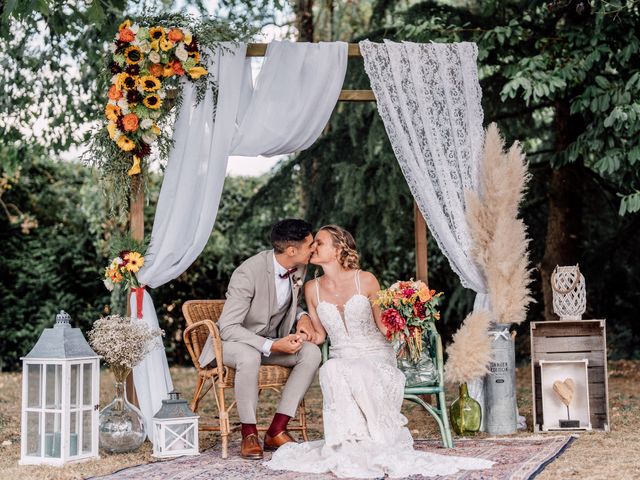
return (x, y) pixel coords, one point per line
(175, 428)
(60, 397)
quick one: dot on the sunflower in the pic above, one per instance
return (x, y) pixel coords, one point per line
(152, 101)
(125, 24)
(156, 33)
(133, 55)
(125, 144)
(150, 83)
(112, 128)
(112, 112)
(134, 261)
(195, 56)
(166, 45)
(129, 82)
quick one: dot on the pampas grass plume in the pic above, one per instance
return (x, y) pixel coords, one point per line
(470, 352)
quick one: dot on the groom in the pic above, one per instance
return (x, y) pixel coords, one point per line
(255, 325)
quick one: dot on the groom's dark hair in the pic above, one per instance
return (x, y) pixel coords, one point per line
(288, 231)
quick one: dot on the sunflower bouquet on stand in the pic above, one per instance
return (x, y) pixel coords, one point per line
(409, 312)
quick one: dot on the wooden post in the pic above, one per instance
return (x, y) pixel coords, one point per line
(421, 244)
(136, 228)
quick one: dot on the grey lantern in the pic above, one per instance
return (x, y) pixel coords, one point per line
(175, 428)
(60, 397)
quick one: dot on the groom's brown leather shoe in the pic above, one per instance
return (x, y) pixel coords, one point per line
(250, 447)
(273, 443)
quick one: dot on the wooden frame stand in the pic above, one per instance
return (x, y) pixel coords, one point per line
(572, 341)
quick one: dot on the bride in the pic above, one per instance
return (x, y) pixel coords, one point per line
(365, 433)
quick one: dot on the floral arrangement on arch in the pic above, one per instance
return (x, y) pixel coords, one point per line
(123, 268)
(408, 309)
(118, 148)
(144, 60)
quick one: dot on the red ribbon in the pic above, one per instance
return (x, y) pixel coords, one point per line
(139, 292)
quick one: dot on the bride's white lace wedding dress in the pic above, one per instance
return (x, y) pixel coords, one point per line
(365, 433)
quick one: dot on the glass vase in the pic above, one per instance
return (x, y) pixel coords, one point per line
(121, 423)
(465, 413)
(418, 372)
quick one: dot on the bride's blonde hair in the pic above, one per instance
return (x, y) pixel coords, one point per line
(348, 256)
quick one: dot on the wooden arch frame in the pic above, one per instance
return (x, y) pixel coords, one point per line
(136, 212)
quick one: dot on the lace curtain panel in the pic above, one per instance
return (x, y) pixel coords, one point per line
(428, 96)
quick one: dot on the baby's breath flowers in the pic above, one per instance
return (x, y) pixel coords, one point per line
(123, 342)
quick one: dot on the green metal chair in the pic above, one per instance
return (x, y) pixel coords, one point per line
(439, 411)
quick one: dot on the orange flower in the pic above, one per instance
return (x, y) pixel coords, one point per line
(168, 71)
(130, 122)
(425, 295)
(177, 68)
(126, 35)
(156, 70)
(114, 274)
(195, 56)
(112, 112)
(114, 93)
(175, 35)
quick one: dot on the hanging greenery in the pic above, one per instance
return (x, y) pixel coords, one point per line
(144, 71)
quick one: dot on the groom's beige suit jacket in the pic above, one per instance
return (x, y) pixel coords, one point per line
(251, 311)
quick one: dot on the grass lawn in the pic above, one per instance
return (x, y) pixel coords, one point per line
(596, 455)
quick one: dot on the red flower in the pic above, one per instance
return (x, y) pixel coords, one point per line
(123, 255)
(408, 292)
(394, 322)
(419, 310)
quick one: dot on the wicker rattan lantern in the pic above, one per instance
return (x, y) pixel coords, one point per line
(569, 293)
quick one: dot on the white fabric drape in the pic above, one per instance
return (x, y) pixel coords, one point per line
(428, 96)
(295, 93)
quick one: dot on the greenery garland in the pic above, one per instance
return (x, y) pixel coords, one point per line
(143, 74)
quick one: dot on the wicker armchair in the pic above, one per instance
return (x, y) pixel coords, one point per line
(202, 317)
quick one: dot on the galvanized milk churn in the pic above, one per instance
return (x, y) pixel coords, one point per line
(501, 410)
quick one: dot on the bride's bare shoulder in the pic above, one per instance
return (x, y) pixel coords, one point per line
(369, 281)
(310, 283)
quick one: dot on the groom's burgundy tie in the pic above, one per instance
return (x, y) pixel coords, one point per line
(288, 273)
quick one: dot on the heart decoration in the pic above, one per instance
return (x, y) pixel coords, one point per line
(565, 390)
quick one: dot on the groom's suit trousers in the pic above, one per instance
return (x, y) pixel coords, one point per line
(247, 360)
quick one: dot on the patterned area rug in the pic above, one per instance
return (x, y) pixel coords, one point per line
(517, 459)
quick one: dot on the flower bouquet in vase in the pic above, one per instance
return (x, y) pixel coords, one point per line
(123, 343)
(409, 312)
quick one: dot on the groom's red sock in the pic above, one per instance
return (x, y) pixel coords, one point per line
(248, 429)
(279, 424)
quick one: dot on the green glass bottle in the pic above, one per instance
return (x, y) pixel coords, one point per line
(465, 413)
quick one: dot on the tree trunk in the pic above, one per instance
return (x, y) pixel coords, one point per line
(304, 19)
(565, 208)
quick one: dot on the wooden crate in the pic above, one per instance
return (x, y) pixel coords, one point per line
(573, 340)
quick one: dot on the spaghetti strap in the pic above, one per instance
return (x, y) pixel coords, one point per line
(317, 289)
(358, 281)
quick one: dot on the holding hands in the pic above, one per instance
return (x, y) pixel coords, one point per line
(293, 343)
(289, 344)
